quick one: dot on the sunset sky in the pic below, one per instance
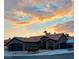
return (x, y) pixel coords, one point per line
(25, 18)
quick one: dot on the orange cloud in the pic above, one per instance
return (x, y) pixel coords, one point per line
(67, 27)
(66, 11)
(20, 28)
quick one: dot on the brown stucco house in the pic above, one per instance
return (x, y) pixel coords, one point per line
(54, 41)
(22, 44)
(70, 42)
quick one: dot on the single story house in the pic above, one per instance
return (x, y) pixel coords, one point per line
(53, 41)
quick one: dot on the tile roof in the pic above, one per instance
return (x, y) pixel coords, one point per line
(55, 36)
(38, 38)
(31, 39)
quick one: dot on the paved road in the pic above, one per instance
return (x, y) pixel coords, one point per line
(59, 56)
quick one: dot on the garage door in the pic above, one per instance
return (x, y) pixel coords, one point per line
(15, 47)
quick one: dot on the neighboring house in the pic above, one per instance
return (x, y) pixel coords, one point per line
(54, 41)
(5, 42)
(70, 42)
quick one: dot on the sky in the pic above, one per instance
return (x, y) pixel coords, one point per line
(26, 18)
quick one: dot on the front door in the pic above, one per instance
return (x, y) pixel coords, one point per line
(44, 44)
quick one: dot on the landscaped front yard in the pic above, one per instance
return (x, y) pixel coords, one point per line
(40, 52)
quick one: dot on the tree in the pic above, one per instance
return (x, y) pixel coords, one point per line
(46, 33)
(67, 35)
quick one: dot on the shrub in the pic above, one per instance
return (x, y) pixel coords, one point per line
(33, 49)
(50, 47)
(41, 47)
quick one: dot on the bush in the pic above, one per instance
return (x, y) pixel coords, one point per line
(41, 47)
(33, 49)
(50, 47)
